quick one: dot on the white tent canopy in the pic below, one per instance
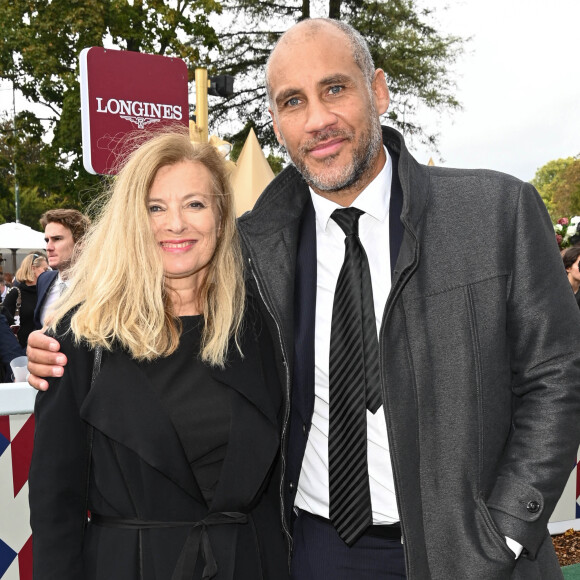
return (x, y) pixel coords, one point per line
(14, 236)
(251, 176)
(20, 237)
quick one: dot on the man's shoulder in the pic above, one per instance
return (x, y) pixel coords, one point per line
(471, 173)
(481, 182)
(46, 278)
(43, 285)
(282, 200)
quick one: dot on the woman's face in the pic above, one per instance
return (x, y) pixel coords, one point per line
(574, 271)
(37, 270)
(184, 220)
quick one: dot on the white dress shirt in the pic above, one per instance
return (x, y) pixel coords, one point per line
(312, 493)
(53, 295)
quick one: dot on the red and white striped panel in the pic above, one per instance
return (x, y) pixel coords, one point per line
(16, 440)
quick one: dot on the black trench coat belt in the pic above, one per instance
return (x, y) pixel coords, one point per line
(197, 537)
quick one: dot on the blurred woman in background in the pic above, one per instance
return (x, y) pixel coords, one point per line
(571, 259)
(21, 300)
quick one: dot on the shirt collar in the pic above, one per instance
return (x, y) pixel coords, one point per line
(60, 280)
(373, 200)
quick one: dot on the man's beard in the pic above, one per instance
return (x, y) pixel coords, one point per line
(335, 180)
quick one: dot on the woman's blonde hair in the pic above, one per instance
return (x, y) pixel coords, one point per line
(25, 274)
(117, 283)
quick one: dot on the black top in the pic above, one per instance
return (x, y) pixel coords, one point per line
(199, 406)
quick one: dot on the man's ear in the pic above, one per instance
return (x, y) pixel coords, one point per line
(276, 130)
(380, 91)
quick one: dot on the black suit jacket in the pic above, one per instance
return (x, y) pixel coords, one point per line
(43, 285)
(139, 470)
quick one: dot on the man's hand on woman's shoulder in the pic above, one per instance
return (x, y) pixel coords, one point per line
(44, 359)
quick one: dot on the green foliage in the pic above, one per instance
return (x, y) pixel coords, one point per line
(415, 57)
(566, 197)
(555, 184)
(276, 163)
(40, 42)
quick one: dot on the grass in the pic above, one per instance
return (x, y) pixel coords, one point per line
(571, 572)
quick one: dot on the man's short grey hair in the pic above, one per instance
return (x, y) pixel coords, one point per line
(358, 46)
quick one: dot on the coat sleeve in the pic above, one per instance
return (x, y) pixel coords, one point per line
(58, 471)
(543, 327)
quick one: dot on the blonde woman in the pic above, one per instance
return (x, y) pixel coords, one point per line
(22, 297)
(181, 419)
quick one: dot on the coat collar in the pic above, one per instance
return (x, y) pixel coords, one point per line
(414, 181)
(125, 407)
(272, 227)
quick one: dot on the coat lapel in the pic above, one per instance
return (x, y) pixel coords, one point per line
(409, 181)
(304, 312)
(245, 376)
(271, 229)
(124, 406)
(254, 437)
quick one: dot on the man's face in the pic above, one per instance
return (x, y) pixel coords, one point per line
(59, 245)
(324, 112)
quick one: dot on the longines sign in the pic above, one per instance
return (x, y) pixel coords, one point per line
(122, 92)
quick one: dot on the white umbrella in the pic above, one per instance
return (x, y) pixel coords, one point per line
(16, 236)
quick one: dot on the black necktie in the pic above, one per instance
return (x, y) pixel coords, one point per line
(354, 384)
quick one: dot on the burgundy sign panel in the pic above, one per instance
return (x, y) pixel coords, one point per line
(123, 92)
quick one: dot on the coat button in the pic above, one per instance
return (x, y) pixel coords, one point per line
(533, 507)
(291, 486)
(304, 428)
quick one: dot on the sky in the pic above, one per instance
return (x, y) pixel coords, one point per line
(518, 81)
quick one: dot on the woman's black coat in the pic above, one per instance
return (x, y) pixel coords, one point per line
(139, 470)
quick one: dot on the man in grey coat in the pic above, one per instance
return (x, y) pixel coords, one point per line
(478, 330)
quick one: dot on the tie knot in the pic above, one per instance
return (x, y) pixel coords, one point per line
(347, 219)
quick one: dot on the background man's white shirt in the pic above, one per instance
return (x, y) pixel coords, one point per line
(53, 295)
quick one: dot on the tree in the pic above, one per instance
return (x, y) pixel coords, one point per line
(415, 56)
(566, 195)
(40, 42)
(21, 147)
(555, 182)
(39, 47)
